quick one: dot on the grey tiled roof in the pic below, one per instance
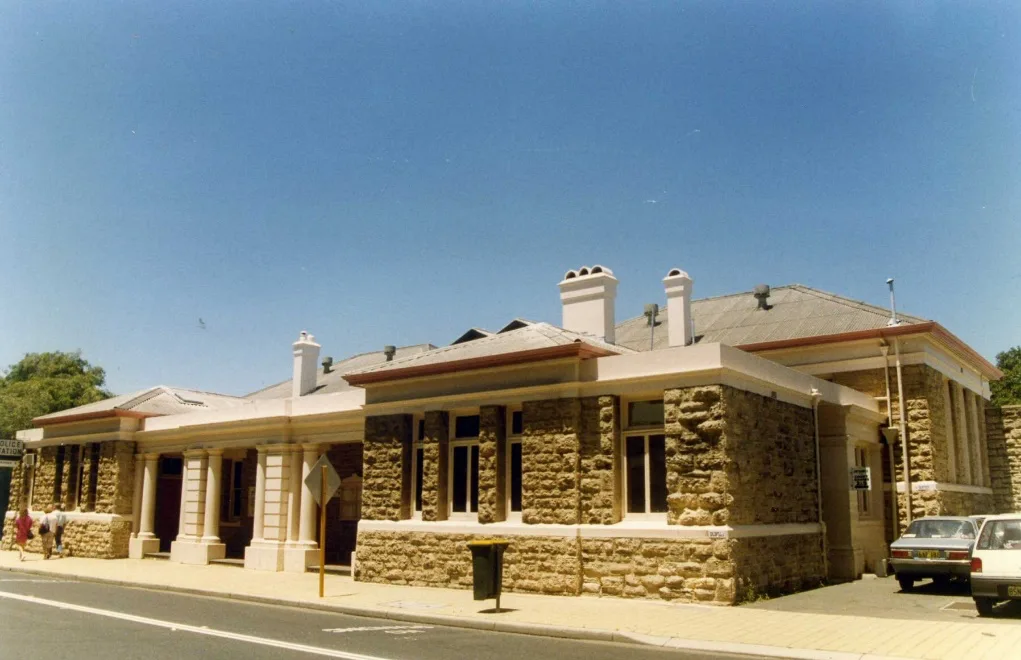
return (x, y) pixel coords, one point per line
(159, 400)
(529, 337)
(795, 312)
(334, 381)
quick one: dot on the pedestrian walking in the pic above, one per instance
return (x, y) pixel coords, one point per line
(47, 529)
(61, 520)
(22, 531)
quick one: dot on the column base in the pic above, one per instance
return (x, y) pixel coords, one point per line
(265, 556)
(298, 559)
(196, 552)
(139, 547)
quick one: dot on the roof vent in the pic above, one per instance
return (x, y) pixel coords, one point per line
(389, 351)
(583, 270)
(762, 295)
(327, 364)
(570, 275)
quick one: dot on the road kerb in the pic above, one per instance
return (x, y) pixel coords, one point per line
(522, 628)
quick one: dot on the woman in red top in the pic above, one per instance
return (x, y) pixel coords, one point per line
(22, 526)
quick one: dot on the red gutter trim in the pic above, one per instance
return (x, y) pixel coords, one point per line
(576, 349)
(81, 417)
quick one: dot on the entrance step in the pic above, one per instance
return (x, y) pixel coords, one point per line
(335, 569)
(240, 563)
(157, 555)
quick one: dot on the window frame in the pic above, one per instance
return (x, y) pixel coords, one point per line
(862, 458)
(472, 480)
(513, 439)
(417, 445)
(645, 431)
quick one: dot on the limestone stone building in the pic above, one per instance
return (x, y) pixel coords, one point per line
(702, 451)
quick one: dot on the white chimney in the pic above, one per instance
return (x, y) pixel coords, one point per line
(588, 296)
(678, 307)
(306, 359)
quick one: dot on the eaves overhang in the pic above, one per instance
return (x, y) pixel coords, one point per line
(38, 422)
(940, 334)
(577, 349)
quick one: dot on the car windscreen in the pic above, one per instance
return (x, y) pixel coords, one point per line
(940, 529)
(1001, 535)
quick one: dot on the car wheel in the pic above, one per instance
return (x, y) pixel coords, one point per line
(985, 606)
(906, 583)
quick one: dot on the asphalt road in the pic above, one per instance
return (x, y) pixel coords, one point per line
(57, 619)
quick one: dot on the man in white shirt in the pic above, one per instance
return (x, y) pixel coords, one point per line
(61, 520)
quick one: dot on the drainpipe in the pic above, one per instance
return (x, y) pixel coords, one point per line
(903, 427)
(894, 510)
(816, 396)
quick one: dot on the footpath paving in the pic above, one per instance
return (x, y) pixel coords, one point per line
(741, 630)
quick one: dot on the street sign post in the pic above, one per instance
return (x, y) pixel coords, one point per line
(861, 478)
(323, 482)
(11, 451)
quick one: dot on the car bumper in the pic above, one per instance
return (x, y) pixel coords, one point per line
(993, 587)
(931, 568)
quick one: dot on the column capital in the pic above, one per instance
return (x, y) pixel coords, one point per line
(152, 457)
(139, 458)
(216, 451)
(261, 449)
(312, 447)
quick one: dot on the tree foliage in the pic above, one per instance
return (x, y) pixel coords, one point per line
(43, 383)
(1007, 391)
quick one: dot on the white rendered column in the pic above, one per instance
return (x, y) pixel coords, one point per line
(145, 529)
(260, 494)
(181, 533)
(294, 497)
(136, 496)
(965, 470)
(214, 469)
(307, 529)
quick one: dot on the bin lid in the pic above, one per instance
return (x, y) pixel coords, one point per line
(485, 543)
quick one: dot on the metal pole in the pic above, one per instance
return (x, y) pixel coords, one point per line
(322, 533)
(903, 429)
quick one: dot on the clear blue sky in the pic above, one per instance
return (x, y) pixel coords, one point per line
(383, 173)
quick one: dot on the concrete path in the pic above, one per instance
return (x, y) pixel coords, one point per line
(722, 629)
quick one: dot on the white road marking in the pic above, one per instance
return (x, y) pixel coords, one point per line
(200, 630)
(23, 580)
(391, 630)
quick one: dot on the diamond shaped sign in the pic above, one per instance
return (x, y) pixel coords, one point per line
(314, 480)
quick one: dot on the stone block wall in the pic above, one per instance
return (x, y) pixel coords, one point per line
(531, 564)
(735, 457)
(116, 481)
(550, 461)
(600, 451)
(100, 539)
(1004, 441)
(777, 565)
(435, 446)
(492, 463)
(44, 476)
(386, 460)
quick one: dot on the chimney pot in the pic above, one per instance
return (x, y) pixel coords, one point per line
(389, 351)
(588, 297)
(306, 358)
(678, 307)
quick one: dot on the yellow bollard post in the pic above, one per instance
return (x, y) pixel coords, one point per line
(322, 533)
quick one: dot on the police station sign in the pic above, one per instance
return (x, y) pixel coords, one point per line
(11, 451)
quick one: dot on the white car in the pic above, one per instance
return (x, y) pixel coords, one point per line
(996, 562)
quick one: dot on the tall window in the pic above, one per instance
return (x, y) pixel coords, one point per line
(645, 459)
(861, 459)
(233, 498)
(514, 466)
(417, 468)
(58, 477)
(463, 493)
(90, 504)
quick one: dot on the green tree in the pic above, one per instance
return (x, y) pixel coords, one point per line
(1007, 391)
(43, 383)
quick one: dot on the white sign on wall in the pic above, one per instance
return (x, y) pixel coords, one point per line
(861, 478)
